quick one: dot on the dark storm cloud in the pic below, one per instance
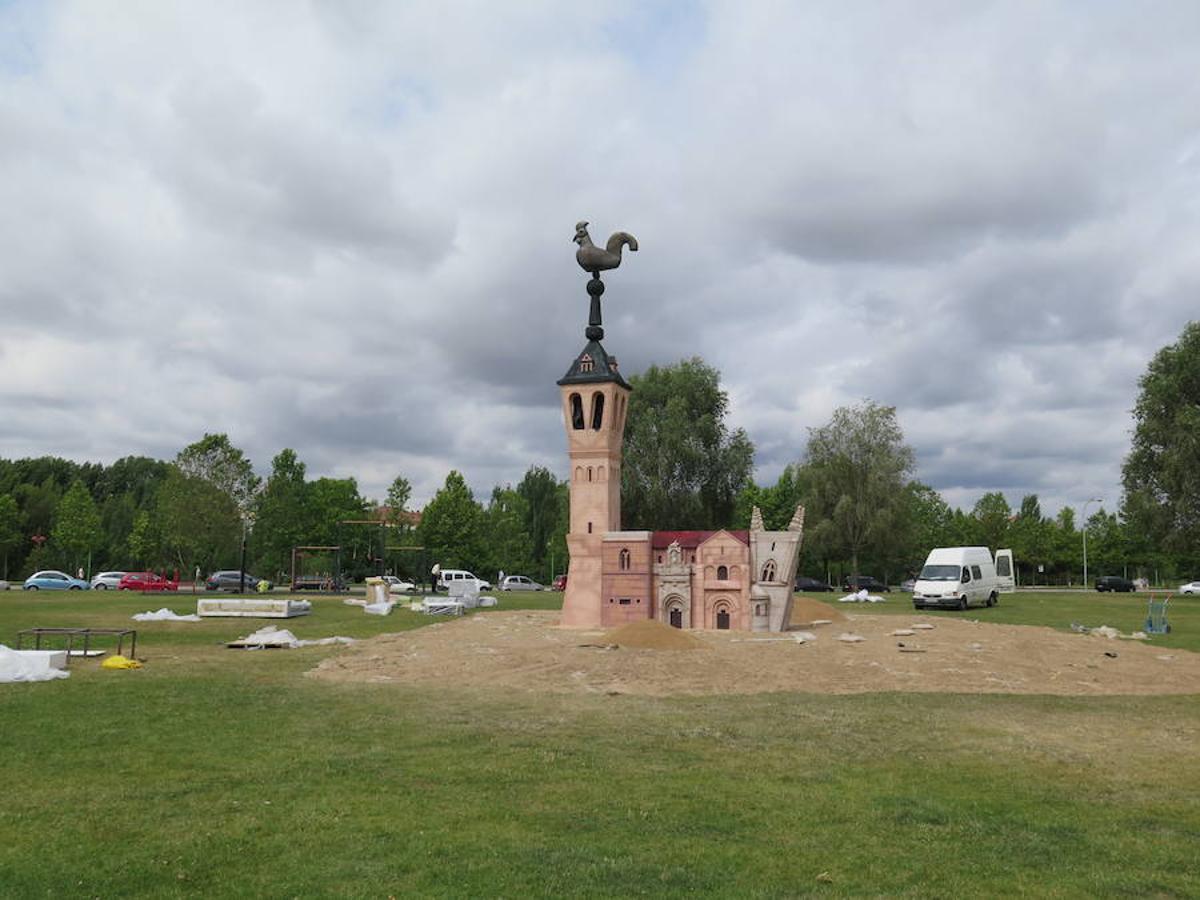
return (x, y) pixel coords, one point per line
(348, 230)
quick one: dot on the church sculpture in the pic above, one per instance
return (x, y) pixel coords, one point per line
(723, 579)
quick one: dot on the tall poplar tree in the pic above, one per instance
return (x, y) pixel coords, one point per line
(858, 467)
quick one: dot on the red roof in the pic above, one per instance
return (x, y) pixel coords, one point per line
(690, 540)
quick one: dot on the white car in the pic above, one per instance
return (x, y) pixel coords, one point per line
(106, 580)
(448, 577)
(396, 585)
(520, 583)
(1192, 587)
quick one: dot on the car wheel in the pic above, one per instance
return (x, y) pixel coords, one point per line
(74, 587)
(100, 587)
(917, 605)
(991, 599)
(32, 587)
(962, 602)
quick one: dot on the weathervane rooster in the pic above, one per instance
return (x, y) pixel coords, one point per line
(592, 259)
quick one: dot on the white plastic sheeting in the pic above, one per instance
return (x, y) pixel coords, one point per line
(164, 615)
(270, 636)
(861, 597)
(23, 665)
(381, 608)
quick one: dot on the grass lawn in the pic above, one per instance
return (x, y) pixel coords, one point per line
(226, 773)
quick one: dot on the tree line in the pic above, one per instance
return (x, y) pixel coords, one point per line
(683, 468)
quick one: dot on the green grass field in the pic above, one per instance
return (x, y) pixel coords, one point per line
(228, 773)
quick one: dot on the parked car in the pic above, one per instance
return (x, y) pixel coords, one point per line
(520, 583)
(231, 580)
(146, 581)
(4, 585)
(908, 585)
(446, 577)
(1114, 583)
(560, 583)
(1192, 587)
(53, 580)
(398, 585)
(811, 585)
(105, 581)
(859, 582)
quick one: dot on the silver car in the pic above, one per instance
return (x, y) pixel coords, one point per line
(104, 581)
(520, 583)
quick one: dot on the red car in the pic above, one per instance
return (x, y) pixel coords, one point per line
(560, 583)
(146, 581)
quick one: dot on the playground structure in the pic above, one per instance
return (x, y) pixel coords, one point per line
(1156, 616)
(329, 574)
(325, 580)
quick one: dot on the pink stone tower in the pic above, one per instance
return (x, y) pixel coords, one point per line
(594, 399)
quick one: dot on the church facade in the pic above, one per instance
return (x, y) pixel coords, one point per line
(738, 580)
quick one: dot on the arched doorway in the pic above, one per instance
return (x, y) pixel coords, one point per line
(674, 612)
(723, 618)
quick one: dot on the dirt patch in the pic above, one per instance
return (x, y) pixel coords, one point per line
(651, 634)
(527, 651)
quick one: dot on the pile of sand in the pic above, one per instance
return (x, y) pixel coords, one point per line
(805, 611)
(525, 650)
(650, 634)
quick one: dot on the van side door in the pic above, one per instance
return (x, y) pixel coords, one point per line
(979, 587)
(1006, 581)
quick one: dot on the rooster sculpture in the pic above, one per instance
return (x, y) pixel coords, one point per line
(596, 260)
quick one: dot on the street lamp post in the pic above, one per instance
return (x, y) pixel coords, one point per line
(1085, 506)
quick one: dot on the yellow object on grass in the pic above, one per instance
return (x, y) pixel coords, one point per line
(120, 662)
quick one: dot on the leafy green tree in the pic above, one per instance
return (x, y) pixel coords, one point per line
(1066, 545)
(682, 467)
(1106, 545)
(10, 528)
(1161, 474)
(451, 525)
(930, 522)
(77, 529)
(214, 459)
(201, 524)
(992, 512)
(284, 518)
(332, 501)
(858, 467)
(508, 547)
(136, 477)
(398, 495)
(539, 491)
(38, 502)
(144, 542)
(1032, 538)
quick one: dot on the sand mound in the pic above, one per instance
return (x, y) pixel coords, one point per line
(651, 634)
(806, 610)
(526, 650)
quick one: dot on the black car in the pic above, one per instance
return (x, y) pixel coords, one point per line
(231, 580)
(811, 585)
(859, 582)
(1114, 583)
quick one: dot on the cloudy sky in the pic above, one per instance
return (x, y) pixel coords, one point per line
(346, 227)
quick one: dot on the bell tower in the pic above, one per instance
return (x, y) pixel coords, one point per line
(594, 399)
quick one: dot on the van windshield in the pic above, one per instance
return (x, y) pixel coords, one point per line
(939, 573)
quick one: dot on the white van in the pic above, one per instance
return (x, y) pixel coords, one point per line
(447, 577)
(957, 577)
